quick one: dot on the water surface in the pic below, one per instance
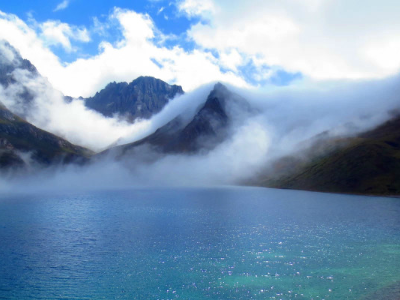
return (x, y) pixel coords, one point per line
(219, 243)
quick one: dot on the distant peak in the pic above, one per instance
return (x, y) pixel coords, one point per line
(220, 86)
(144, 83)
(220, 91)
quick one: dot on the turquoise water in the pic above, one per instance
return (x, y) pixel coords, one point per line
(222, 243)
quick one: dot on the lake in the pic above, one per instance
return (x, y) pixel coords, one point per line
(199, 243)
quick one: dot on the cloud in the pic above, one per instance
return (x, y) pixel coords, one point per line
(231, 59)
(192, 8)
(62, 5)
(126, 59)
(321, 39)
(73, 121)
(99, 27)
(160, 10)
(27, 42)
(57, 33)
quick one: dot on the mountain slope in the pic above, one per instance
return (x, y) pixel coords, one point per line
(12, 65)
(10, 60)
(141, 98)
(203, 132)
(18, 137)
(366, 164)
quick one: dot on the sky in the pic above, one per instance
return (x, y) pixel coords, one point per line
(80, 45)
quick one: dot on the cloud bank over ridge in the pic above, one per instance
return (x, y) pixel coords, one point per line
(283, 122)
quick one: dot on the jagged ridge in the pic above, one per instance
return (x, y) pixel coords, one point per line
(207, 129)
(142, 98)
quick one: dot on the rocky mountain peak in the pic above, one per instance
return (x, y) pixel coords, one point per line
(209, 126)
(10, 59)
(142, 98)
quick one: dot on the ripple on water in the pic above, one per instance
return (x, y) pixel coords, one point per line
(199, 243)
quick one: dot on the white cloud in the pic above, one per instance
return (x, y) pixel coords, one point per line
(384, 54)
(191, 8)
(160, 10)
(323, 39)
(231, 59)
(99, 27)
(27, 42)
(127, 59)
(72, 121)
(62, 5)
(57, 33)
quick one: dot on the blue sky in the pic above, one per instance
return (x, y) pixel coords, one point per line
(81, 45)
(166, 17)
(80, 12)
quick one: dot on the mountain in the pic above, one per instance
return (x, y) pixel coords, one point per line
(208, 127)
(366, 164)
(10, 63)
(10, 60)
(142, 98)
(21, 142)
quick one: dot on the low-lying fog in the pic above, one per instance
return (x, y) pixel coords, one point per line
(283, 119)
